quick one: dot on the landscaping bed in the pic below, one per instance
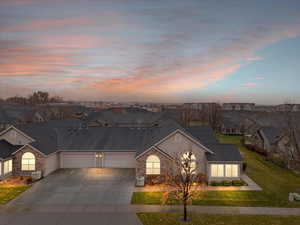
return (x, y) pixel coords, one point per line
(204, 219)
(11, 187)
(225, 183)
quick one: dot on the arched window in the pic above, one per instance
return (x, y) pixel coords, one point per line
(185, 156)
(28, 161)
(152, 165)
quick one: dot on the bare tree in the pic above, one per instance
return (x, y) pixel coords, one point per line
(182, 180)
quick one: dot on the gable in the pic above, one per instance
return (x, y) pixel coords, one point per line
(179, 143)
(15, 137)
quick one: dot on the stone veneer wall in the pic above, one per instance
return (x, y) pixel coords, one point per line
(17, 160)
(165, 163)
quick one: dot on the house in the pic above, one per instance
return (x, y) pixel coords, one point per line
(230, 127)
(124, 117)
(281, 145)
(46, 148)
(264, 138)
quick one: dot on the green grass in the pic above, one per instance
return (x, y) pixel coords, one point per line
(276, 183)
(7, 193)
(225, 198)
(210, 219)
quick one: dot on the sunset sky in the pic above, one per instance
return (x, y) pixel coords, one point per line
(152, 50)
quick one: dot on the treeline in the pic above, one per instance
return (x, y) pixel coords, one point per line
(37, 98)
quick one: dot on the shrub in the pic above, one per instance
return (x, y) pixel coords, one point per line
(154, 179)
(29, 180)
(238, 183)
(215, 183)
(227, 182)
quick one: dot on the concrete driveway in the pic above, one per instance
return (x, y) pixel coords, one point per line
(82, 187)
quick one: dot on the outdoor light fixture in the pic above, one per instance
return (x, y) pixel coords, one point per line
(99, 155)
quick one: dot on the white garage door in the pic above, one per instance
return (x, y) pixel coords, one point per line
(78, 160)
(119, 160)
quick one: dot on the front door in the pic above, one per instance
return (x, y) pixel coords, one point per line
(99, 159)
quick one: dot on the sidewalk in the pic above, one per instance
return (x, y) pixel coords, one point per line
(70, 209)
(252, 186)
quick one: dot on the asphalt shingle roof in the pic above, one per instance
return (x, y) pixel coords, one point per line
(224, 152)
(271, 133)
(6, 149)
(45, 136)
(49, 138)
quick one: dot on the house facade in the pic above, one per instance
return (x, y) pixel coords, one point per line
(42, 147)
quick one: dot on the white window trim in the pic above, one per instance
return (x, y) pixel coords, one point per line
(152, 167)
(25, 162)
(218, 170)
(7, 167)
(232, 166)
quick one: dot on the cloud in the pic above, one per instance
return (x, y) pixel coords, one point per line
(157, 55)
(157, 76)
(46, 24)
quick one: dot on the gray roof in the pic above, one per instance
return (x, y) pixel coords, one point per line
(271, 133)
(126, 116)
(204, 134)
(6, 149)
(66, 123)
(50, 138)
(224, 152)
(44, 135)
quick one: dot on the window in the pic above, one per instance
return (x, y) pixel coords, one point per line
(28, 161)
(152, 165)
(193, 161)
(217, 170)
(231, 170)
(7, 166)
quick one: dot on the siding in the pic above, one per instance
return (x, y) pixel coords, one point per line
(15, 138)
(51, 163)
(179, 144)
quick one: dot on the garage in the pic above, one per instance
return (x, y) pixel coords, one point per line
(78, 160)
(119, 159)
(98, 160)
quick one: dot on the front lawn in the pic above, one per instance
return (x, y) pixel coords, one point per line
(8, 192)
(205, 219)
(276, 183)
(228, 198)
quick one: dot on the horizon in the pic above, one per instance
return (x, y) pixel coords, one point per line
(140, 51)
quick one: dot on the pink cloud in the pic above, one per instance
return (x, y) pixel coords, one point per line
(38, 25)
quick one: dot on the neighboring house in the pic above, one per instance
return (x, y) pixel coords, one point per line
(264, 138)
(149, 151)
(124, 117)
(238, 106)
(229, 127)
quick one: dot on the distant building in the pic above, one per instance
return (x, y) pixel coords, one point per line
(239, 106)
(264, 108)
(199, 106)
(288, 108)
